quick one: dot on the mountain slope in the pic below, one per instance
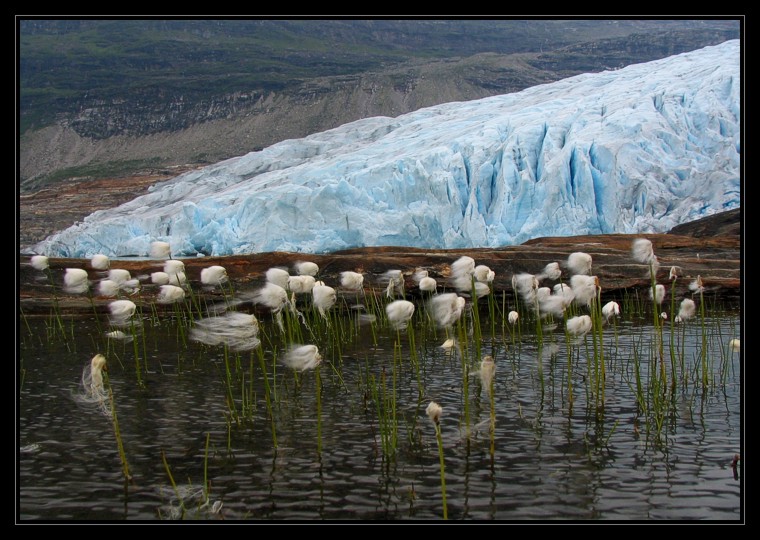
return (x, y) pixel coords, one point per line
(103, 98)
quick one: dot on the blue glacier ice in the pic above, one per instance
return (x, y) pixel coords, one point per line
(635, 150)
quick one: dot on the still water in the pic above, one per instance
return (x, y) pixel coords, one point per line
(319, 455)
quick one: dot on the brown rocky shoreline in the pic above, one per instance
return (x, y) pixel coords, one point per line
(716, 258)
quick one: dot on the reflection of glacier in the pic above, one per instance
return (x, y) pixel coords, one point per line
(640, 149)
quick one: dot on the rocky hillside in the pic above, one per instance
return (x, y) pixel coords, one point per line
(125, 98)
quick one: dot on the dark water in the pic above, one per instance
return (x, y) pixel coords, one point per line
(551, 461)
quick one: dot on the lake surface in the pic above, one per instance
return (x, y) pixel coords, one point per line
(319, 453)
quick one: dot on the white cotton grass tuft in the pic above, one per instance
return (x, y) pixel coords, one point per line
(674, 273)
(428, 284)
(178, 278)
(449, 344)
(446, 309)
(97, 366)
(484, 274)
(434, 412)
(40, 262)
(579, 263)
(306, 268)
(482, 289)
(121, 311)
(585, 289)
(579, 326)
(160, 250)
(487, 372)
(735, 345)
(302, 357)
(513, 317)
(400, 312)
(108, 287)
(420, 273)
(610, 309)
(554, 304)
(174, 266)
(119, 275)
(238, 331)
(323, 298)
(301, 284)
(351, 281)
(214, 275)
(170, 294)
(686, 310)
(563, 289)
(76, 281)
(279, 276)
(175, 270)
(659, 293)
(131, 286)
(543, 293)
(664, 316)
(551, 271)
(463, 266)
(93, 390)
(424, 281)
(100, 262)
(159, 278)
(643, 252)
(526, 286)
(395, 279)
(697, 286)
(272, 296)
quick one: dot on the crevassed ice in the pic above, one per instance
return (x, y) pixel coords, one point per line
(636, 150)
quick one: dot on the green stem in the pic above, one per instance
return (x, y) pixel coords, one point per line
(443, 473)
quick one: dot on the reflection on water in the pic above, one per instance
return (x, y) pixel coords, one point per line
(551, 461)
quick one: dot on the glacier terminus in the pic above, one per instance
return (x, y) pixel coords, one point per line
(636, 150)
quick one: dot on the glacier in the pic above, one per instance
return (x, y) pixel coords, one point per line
(635, 150)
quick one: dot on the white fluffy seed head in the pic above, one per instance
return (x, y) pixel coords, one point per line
(278, 276)
(484, 274)
(610, 309)
(301, 284)
(214, 275)
(659, 293)
(302, 357)
(39, 262)
(579, 325)
(75, 280)
(399, 313)
(642, 251)
(428, 284)
(173, 266)
(108, 287)
(119, 275)
(352, 281)
(159, 278)
(463, 266)
(551, 271)
(170, 294)
(446, 309)
(434, 412)
(585, 288)
(687, 310)
(160, 250)
(100, 262)
(306, 268)
(579, 263)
